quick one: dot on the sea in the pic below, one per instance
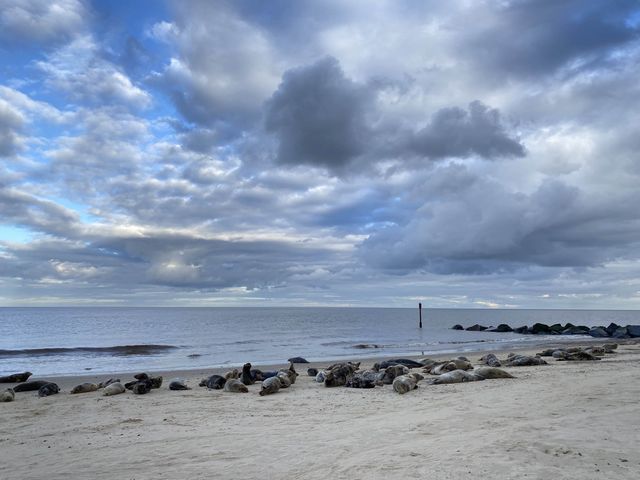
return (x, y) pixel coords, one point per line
(71, 341)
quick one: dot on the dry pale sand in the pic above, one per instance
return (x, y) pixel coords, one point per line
(565, 420)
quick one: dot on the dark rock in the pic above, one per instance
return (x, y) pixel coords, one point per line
(556, 328)
(503, 327)
(620, 332)
(573, 330)
(297, 360)
(539, 329)
(523, 329)
(476, 328)
(633, 330)
(598, 332)
(457, 327)
(568, 325)
(612, 328)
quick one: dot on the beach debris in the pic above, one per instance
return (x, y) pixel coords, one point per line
(269, 386)
(16, 377)
(297, 360)
(178, 384)
(49, 388)
(84, 388)
(114, 388)
(406, 383)
(236, 386)
(8, 395)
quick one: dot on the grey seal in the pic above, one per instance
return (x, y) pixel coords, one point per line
(456, 376)
(391, 372)
(141, 387)
(16, 377)
(246, 377)
(269, 386)
(106, 383)
(491, 360)
(178, 384)
(235, 385)
(49, 388)
(30, 386)
(337, 375)
(406, 383)
(285, 380)
(398, 361)
(84, 388)
(8, 395)
(514, 360)
(214, 382)
(491, 372)
(297, 360)
(312, 372)
(115, 388)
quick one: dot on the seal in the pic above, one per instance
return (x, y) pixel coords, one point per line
(232, 374)
(337, 375)
(84, 388)
(16, 377)
(214, 382)
(455, 376)
(154, 382)
(406, 383)
(115, 388)
(291, 372)
(455, 364)
(49, 388)
(235, 385)
(491, 372)
(297, 360)
(391, 372)
(246, 375)
(269, 386)
(523, 360)
(141, 387)
(106, 383)
(178, 384)
(491, 360)
(312, 372)
(8, 395)
(360, 380)
(320, 376)
(256, 375)
(398, 361)
(30, 386)
(285, 380)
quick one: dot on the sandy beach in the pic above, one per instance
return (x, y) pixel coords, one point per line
(563, 420)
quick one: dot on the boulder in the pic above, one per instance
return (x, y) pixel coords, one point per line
(598, 332)
(503, 327)
(457, 327)
(523, 329)
(556, 328)
(539, 329)
(476, 328)
(633, 330)
(612, 328)
(620, 332)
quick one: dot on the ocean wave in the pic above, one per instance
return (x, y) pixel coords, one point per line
(118, 350)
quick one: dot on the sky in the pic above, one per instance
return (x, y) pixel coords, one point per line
(465, 154)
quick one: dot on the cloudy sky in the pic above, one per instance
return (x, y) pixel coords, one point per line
(461, 153)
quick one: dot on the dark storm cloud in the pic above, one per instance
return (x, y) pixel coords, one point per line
(533, 37)
(318, 116)
(454, 132)
(484, 227)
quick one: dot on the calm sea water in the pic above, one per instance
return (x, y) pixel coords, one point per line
(65, 341)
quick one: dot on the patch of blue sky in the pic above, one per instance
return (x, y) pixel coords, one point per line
(15, 234)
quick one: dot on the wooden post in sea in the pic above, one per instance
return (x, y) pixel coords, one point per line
(420, 313)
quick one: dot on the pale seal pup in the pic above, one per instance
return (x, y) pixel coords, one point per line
(269, 386)
(235, 385)
(246, 377)
(406, 383)
(8, 395)
(456, 376)
(84, 388)
(48, 389)
(178, 384)
(16, 377)
(491, 372)
(115, 388)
